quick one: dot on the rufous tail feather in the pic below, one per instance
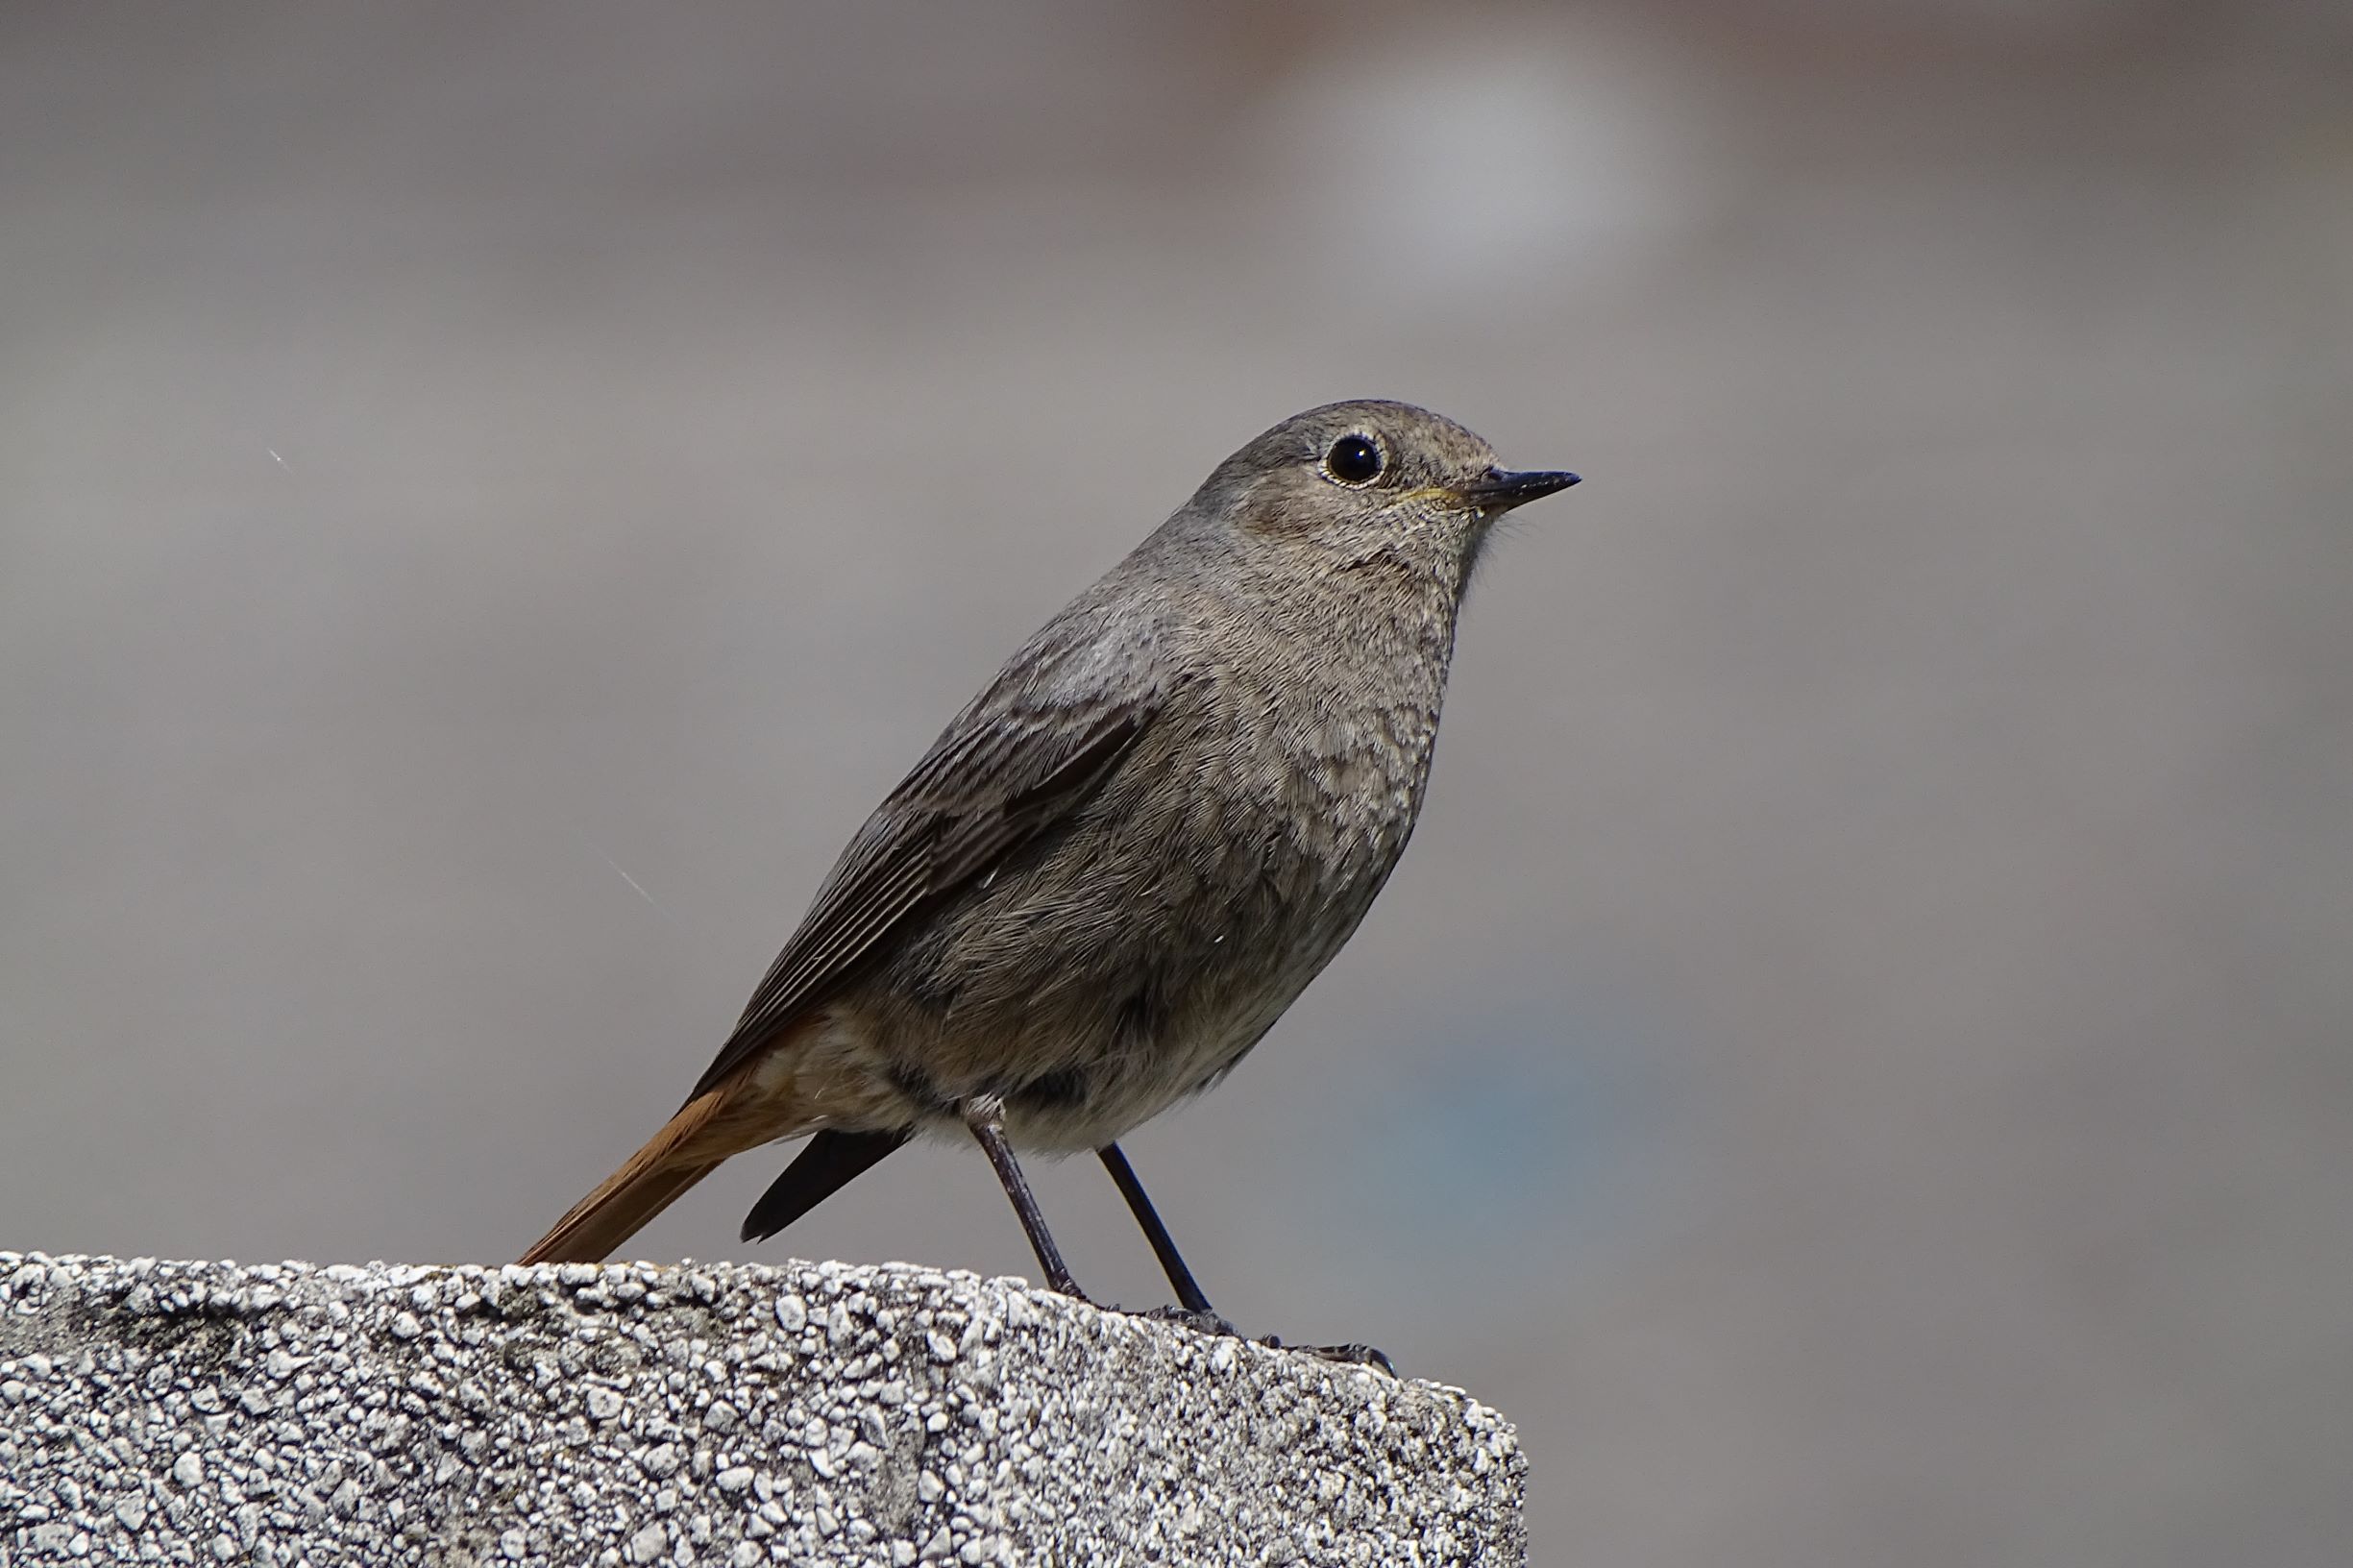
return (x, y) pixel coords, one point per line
(673, 1160)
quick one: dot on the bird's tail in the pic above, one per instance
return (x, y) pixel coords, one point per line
(690, 1146)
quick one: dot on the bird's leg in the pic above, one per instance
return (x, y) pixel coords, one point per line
(985, 1116)
(1197, 1308)
(1196, 1312)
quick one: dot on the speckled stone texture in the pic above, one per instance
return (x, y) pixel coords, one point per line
(813, 1414)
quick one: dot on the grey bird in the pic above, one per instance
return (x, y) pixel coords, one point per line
(1130, 853)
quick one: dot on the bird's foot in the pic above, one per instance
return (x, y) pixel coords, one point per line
(1348, 1355)
(1354, 1354)
(1210, 1323)
(1186, 1317)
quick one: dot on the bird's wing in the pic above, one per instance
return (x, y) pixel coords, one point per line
(1011, 764)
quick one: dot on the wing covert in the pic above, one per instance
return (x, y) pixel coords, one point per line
(1001, 772)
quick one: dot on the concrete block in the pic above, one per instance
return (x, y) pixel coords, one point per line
(212, 1414)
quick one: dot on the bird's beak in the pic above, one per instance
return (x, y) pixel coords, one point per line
(1500, 490)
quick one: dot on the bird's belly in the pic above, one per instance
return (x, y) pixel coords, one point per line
(1125, 1026)
(1164, 1022)
(1106, 1093)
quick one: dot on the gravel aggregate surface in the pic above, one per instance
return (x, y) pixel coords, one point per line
(213, 1413)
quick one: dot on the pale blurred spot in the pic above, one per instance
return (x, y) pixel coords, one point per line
(1484, 160)
(1505, 1132)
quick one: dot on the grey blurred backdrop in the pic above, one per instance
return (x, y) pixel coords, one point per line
(1856, 1063)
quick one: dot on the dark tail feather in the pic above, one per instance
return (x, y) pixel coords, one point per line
(826, 1163)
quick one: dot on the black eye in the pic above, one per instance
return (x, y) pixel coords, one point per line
(1354, 459)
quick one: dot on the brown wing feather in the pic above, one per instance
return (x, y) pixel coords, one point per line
(989, 785)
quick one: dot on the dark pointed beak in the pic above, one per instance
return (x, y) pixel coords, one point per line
(1500, 490)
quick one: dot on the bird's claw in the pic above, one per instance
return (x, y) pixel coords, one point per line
(1354, 1354)
(1210, 1323)
(1186, 1317)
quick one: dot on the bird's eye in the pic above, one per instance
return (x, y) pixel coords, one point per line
(1354, 459)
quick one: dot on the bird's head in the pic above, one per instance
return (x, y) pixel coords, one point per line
(1370, 482)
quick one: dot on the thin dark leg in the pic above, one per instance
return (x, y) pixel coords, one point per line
(1123, 1175)
(989, 1130)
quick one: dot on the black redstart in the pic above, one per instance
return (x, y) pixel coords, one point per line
(1127, 855)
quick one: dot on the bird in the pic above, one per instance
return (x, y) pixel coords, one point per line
(1125, 859)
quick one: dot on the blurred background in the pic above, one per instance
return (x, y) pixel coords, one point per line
(1856, 1062)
